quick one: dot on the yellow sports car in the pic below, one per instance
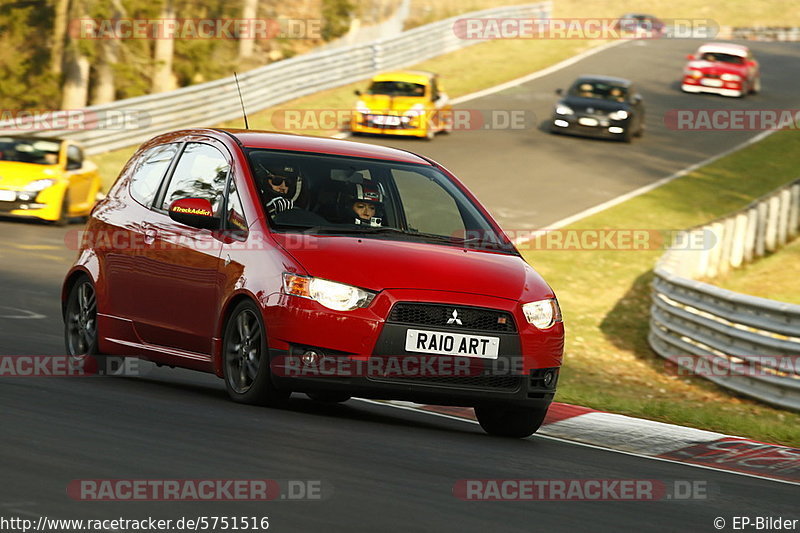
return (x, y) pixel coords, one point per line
(47, 179)
(406, 102)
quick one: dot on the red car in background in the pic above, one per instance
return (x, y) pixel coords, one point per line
(722, 68)
(285, 263)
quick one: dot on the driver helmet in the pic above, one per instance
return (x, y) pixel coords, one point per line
(365, 204)
(282, 179)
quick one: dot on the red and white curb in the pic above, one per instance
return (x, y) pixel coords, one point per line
(656, 440)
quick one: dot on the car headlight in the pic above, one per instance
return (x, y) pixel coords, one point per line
(362, 108)
(562, 109)
(620, 114)
(38, 185)
(333, 295)
(730, 77)
(542, 314)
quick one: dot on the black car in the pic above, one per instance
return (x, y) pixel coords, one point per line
(600, 106)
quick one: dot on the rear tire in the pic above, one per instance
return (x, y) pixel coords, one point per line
(80, 327)
(328, 397)
(510, 421)
(246, 364)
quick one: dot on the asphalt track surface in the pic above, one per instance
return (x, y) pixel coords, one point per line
(379, 468)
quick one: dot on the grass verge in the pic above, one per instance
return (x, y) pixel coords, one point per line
(605, 296)
(773, 276)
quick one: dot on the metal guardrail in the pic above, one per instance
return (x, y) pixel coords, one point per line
(750, 345)
(767, 33)
(206, 104)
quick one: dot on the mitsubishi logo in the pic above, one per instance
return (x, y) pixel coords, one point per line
(454, 319)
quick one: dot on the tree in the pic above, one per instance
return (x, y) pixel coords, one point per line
(163, 52)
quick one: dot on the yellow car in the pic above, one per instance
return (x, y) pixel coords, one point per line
(407, 102)
(48, 179)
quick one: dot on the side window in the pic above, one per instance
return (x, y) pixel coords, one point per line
(234, 219)
(74, 157)
(200, 173)
(149, 172)
(434, 90)
(428, 207)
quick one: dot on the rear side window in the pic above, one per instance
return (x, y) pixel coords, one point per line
(149, 172)
(200, 173)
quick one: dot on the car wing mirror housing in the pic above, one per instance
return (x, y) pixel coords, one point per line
(194, 212)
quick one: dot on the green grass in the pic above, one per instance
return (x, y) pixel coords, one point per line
(774, 276)
(605, 296)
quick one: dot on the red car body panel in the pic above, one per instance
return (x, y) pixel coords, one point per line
(164, 297)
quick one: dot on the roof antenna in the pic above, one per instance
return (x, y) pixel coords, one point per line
(244, 114)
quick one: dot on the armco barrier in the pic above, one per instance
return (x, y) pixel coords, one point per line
(699, 326)
(210, 103)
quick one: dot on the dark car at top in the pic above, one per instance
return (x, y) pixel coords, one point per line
(237, 253)
(600, 106)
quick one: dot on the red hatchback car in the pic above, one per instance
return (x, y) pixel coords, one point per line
(285, 263)
(722, 68)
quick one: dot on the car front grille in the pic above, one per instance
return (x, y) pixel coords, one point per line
(441, 316)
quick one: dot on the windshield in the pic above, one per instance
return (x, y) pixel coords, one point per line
(29, 150)
(396, 88)
(337, 195)
(722, 58)
(599, 90)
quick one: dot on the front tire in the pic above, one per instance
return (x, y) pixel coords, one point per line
(756, 87)
(246, 365)
(63, 213)
(510, 421)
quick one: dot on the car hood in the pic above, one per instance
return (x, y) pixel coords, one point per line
(380, 103)
(716, 67)
(378, 264)
(581, 104)
(15, 175)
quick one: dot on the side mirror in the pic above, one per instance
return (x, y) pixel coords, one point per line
(194, 212)
(357, 92)
(690, 57)
(559, 91)
(637, 98)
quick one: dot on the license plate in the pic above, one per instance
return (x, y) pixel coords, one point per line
(585, 121)
(422, 341)
(8, 196)
(386, 120)
(711, 82)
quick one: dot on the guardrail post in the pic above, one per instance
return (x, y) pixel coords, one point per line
(771, 237)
